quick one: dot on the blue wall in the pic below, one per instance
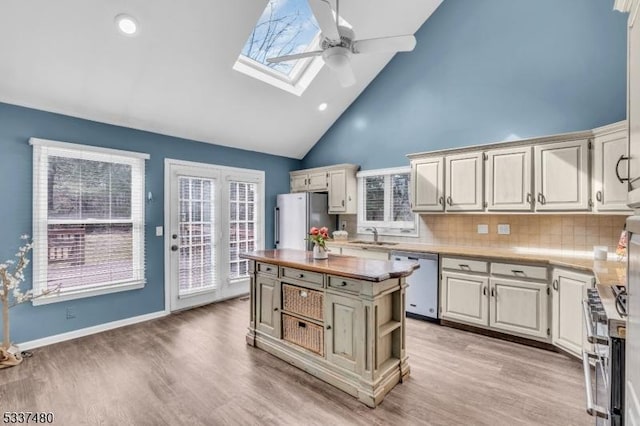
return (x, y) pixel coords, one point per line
(484, 71)
(18, 124)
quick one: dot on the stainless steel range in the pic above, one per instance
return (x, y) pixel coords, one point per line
(604, 367)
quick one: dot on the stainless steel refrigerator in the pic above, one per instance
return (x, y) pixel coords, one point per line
(295, 214)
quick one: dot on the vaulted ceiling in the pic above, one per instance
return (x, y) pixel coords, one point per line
(176, 76)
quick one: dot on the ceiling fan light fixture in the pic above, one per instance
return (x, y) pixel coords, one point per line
(127, 25)
(337, 57)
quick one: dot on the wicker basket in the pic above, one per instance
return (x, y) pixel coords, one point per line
(302, 301)
(303, 333)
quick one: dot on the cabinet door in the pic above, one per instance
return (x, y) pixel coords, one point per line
(299, 182)
(317, 181)
(427, 177)
(508, 179)
(464, 182)
(337, 191)
(609, 192)
(519, 307)
(562, 176)
(344, 320)
(568, 328)
(268, 305)
(465, 298)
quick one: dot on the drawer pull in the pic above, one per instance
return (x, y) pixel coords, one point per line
(516, 272)
(268, 269)
(303, 293)
(343, 283)
(412, 304)
(463, 266)
(301, 324)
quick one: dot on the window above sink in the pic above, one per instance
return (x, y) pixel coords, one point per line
(383, 203)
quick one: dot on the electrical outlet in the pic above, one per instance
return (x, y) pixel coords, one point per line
(504, 229)
(483, 229)
(71, 312)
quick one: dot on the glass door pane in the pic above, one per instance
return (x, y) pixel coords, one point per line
(242, 226)
(196, 264)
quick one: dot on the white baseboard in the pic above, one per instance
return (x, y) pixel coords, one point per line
(45, 341)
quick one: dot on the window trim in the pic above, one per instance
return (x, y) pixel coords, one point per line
(41, 221)
(384, 227)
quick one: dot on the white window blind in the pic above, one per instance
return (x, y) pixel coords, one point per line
(243, 226)
(88, 220)
(196, 267)
(384, 202)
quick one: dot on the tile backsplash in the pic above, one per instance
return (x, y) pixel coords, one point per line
(569, 234)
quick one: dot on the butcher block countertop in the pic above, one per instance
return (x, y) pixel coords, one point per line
(344, 266)
(607, 272)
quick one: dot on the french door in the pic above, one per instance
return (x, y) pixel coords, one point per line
(213, 214)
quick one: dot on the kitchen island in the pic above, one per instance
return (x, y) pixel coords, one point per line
(340, 319)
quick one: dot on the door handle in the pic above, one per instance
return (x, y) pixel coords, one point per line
(529, 198)
(494, 293)
(621, 179)
(174, 247)
(599, 196)
(441, 201)
(276, 226)
(484, 290)
(449, 200)
(555, 285)
(342, 203)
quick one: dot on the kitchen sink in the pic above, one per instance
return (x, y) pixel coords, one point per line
(373, 243)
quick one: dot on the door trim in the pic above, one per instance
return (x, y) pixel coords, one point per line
(168, 162)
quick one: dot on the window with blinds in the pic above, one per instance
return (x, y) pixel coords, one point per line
(88, 220)
(384, 202)
(243, 224)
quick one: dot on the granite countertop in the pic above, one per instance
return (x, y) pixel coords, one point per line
(344, 266)
(607, 272)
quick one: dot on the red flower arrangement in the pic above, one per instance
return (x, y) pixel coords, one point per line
(319, 236)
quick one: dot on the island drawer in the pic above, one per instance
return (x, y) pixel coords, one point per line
(298, 274)
(303, 333)
(344, 284)
(519, 271)
(465, 265)
(266, 268)
(303, 301)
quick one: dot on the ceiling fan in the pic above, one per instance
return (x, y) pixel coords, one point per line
(338, 43)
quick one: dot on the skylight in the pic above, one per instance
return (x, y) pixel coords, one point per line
(286, 27)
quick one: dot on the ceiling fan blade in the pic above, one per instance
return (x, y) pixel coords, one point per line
(385, 44)
(324, 15)
(345, 75)
(294, 57)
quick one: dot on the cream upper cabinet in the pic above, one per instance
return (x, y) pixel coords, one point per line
(427, 184)
(317, 181)
(342, 191)
(508, 179)
(569, 289)
(464, 298)
(298, 182)
(464, 182)
(562, 176)
(338, 181)
(611, 145)
(519, 306)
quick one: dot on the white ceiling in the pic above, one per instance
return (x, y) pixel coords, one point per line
(176, 76)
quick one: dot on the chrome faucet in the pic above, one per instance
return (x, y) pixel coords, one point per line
(375, 233)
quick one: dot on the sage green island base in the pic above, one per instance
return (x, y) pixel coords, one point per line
(341, 319)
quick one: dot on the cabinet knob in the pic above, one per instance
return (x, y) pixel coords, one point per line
(174, 248)
(275, 309)
(300, 275)
(328, 327)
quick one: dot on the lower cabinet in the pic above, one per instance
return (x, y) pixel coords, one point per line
(464, 297)
(519, 307)
(569, 289)
(268, 312)
(508, 298)
(344, 321)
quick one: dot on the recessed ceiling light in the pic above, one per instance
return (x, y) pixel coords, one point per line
(322, 106)
(127, 25)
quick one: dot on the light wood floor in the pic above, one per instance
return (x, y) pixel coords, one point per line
(195, 368)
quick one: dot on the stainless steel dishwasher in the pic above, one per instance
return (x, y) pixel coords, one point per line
(422, 293)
